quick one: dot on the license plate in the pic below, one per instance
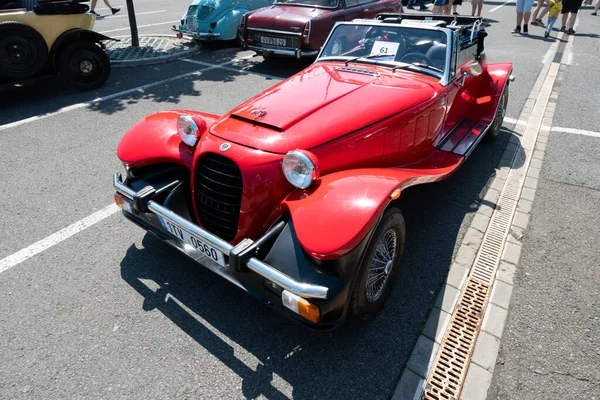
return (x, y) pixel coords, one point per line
(194, 241)
(273, 40)
(191, 24)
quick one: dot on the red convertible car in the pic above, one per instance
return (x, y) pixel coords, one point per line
(298, 28)
(293, 195)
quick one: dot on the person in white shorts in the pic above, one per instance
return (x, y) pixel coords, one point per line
(523, 13)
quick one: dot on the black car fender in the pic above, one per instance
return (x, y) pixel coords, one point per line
(74, 35)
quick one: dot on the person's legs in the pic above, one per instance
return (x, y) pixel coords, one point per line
(479, 7)
(539, 6)
(551, 22)
(596, 7)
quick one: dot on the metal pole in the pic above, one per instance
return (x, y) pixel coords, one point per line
(135, 41)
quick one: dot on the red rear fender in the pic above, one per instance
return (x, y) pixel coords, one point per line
(493, 82)
(331, 218)
(154, 139)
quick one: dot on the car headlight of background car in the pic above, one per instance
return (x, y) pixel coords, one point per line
(300, 168)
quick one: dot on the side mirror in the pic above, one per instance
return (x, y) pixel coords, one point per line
(473, 69)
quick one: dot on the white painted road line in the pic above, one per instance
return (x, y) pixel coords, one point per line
(114, 95)
(140, 26)
(36, 248)
(501, 5)
(576, 131)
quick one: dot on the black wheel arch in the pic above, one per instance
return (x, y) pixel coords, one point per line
(70, 36)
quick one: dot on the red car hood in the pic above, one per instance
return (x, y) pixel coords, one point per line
(284, 18)
(321, 104)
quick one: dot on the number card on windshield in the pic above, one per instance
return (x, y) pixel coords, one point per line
(388, 49)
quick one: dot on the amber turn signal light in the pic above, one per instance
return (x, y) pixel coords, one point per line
(119, 201)
(301, 306)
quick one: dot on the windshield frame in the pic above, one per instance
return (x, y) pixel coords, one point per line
(443, 77)
(337, 4)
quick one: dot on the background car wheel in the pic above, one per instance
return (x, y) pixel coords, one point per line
(494, 130)
(379, 268)
(84, 65)
(23, 51)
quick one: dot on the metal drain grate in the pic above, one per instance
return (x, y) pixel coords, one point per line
(448, 374)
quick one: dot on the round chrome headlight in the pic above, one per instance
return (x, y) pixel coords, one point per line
(188, 130)
(300, 168)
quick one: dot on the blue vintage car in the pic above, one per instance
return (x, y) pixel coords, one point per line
(216, 19)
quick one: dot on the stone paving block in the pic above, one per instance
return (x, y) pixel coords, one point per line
(486, 208)
(533, 172)
(538, 154)
(491, 196)
(480, 222)
(457, 275)
(502, 173)
(494, 320)
(435, 328)
(506, 273)
(446, 299)
(408, 386)
(521, 220)
(477, 383)
(540, 146)
(524, 206)
(465, 256)
(528, 194)
(497, 184)
(531, 182)
(472, 238)
(535, 162)
(486, 351)
(501, 294)
(512, 253)
(423, 356)
(515, 139)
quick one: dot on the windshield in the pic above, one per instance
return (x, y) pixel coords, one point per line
(394, 46)
(310, 3)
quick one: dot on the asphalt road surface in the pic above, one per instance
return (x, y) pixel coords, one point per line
(104, 311)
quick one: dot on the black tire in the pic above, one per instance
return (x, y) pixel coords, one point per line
(23, 51)
(494, 130)
(340, 43)
(364, 305)
(84, 65)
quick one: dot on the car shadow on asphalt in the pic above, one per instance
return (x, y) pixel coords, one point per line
(351, 362)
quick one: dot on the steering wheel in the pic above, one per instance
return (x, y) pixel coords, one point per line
(416, 57)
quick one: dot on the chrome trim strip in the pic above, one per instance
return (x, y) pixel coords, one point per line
(275, 31)
(301, 289)
(316, 292)
(283, 52)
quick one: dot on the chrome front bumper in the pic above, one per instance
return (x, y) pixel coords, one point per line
(197, 35)
(304, 290)
(297, 53)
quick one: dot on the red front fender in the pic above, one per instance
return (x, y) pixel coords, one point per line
(331, 218)
(154, 139)
(490, 91)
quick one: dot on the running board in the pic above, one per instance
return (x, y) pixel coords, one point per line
(464, 137)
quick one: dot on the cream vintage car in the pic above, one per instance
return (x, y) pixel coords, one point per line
(55, 38)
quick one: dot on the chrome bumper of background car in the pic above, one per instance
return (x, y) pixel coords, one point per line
(283, 52)
(196, 35)
(301, 289)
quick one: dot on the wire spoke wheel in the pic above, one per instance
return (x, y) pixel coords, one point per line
(381, 265)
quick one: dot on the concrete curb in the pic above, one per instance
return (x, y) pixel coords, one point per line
(480, 371)
(156, 60)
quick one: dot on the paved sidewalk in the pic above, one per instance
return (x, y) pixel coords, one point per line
(551, 343)
(153, 49)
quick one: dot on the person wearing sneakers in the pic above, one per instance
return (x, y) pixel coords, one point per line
(113, 10)
(596, 7)
(523, 15)
(555, 7)
(569, 15)
(537, 20)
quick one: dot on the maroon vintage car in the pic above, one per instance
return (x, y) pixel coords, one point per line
(298, 28)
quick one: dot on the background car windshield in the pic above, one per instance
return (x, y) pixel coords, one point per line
(388, 44)
(313, 3)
